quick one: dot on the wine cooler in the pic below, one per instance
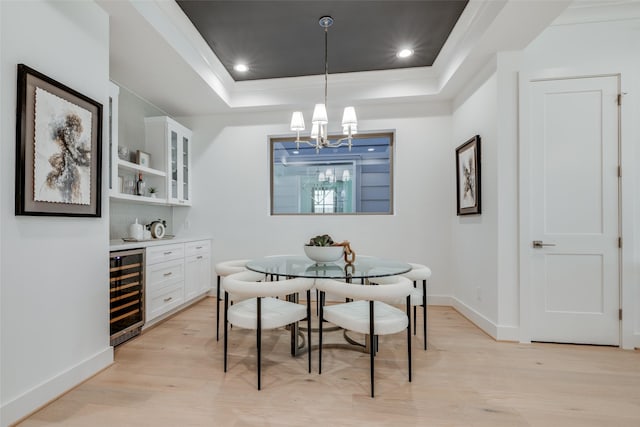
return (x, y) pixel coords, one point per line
(126, 271)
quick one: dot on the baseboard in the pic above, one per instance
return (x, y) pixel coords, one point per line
(636, 340)
(475, 317)
(445, 300)
(40, 395)
(497, 332)
(508, 333)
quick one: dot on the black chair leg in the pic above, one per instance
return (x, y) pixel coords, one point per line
(320, 322)
(414, 313)
(424, 311)
(371, 346)
(409, 335)
(218, 309)
(226, 308)
(259, 337)
(309, 326)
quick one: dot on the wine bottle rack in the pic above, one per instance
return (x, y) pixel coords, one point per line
(126, 296)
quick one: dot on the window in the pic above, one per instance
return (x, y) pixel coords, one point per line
(333, 180)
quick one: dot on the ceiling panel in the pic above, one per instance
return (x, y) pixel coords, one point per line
(283, 38)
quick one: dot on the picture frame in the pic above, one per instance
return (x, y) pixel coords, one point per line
(468, 178)
(58, 148)
(143, 158)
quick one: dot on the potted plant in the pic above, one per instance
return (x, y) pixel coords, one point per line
(321, 240)
(152, 191)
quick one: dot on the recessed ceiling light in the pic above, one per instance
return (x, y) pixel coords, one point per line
(404, 53)
(241, 68)
(296, 152)
(371, 149)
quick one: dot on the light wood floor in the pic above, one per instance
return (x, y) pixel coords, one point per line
(172, 376)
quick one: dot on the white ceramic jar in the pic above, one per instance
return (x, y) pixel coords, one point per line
(136, 231)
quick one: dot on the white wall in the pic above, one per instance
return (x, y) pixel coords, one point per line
(507, 189)
(486, 246)
(475, 237)
(231, 192)
(606, 48)
(54, 271)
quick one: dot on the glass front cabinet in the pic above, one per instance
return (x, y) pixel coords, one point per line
(164, 133)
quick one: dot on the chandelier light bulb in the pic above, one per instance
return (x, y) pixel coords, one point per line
(315, 130)
(297, 121)
(349, 117)
(320, 115)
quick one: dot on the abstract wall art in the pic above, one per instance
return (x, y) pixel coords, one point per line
(58, 148)
(468, 177)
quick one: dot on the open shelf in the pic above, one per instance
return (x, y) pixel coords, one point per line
(139, 199)
(138, 168)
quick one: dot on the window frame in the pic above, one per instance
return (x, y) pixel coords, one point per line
(274, 139)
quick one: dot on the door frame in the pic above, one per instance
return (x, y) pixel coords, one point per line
(626, 190)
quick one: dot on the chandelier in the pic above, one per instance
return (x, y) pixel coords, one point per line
(319, 137)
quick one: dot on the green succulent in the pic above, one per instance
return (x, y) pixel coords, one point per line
(323, 240)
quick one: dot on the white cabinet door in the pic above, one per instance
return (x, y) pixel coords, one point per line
(197, 275)
(197, 268)
(114, 184)
(168, 144)
(179, 167)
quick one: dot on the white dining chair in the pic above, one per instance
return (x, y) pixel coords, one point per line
(367, 314)
(418, 273)
(224, 269)
(257, 308)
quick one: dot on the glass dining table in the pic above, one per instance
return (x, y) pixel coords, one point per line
(362, 270)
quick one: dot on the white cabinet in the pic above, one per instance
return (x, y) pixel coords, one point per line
(176, 274)
(170, 142)
(165, 253)
(165, 284)
(165, 279)
(197, 268)
(168, 145)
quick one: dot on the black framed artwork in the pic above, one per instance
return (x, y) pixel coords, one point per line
(468, 177)
(58, 148)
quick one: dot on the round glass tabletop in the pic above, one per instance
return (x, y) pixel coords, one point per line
(301, 266)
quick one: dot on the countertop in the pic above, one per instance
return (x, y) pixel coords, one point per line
(119, 244)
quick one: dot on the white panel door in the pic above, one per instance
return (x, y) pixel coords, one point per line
(574, 210)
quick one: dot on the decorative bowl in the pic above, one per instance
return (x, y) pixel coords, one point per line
(323, 253)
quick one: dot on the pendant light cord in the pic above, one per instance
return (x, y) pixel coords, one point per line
(326, 63)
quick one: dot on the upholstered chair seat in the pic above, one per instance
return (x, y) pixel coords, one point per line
(367, 313)
(256, 308)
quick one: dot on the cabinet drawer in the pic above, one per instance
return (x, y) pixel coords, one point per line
(161, 275)
(156, 254)
(161, 302)
(197, 248)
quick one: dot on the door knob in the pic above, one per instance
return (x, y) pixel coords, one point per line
(538, 244)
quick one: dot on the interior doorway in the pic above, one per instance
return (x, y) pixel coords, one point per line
(570, 181)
